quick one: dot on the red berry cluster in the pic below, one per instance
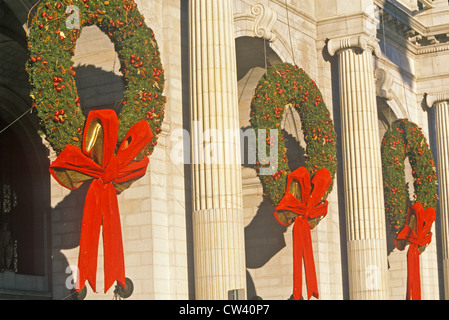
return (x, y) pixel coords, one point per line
(56, 83)
(38, 59)
(59, 116)
(157, 73)
(136, 61)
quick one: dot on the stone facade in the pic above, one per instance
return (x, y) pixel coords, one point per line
(180, 236)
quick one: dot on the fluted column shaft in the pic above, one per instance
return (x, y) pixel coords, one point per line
(218, 226)
(441, 105)
(362, 169)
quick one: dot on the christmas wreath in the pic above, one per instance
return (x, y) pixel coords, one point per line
(52, 44)
(284, 86)
(405, 139)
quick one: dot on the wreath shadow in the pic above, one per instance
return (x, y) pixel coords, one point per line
(99, 89)
(68, 215)
(264, 236)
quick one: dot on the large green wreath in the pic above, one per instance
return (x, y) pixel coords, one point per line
(283, 86)
(52, 45)
(405, 139)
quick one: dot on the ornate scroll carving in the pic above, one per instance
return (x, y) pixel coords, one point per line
(265, 21)
(384, 84)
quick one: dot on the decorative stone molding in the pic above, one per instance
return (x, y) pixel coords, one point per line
(265, 19)
(384, 84)
(401, 26)
(433, 99)
(361, 41)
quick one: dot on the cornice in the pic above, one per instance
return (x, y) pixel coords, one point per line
(400, 25)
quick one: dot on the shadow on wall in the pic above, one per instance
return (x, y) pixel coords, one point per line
(99, 89)
(264, 236)
(67, 218)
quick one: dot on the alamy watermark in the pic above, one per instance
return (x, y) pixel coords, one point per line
(372, 278)
(373, 22)
(72, 281)
(73, 21)
(212, 146)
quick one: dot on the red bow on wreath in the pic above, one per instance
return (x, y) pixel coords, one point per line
(417, 235)
(111, 174)
(305, 207)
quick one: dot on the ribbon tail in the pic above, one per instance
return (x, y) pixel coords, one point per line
(302, 250)
(297, 260)
(413, 274)
(309, 263)
(90, 234)
(114, 265)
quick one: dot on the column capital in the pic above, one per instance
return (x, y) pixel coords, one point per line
(433, 99)
(360, 41)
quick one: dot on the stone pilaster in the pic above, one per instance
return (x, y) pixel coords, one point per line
(218, 226)
(441, 104)
(362, 168)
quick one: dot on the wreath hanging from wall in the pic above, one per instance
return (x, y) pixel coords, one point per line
(299, 196)
(52, 45)
(287, 86)
(405, 139)
(108, 149)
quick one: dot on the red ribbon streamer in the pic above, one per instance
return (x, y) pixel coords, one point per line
(311, 207)
(416, 238)
(101, 206)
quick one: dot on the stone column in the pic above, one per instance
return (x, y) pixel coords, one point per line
(441, 104)
(362, 168)
(218, 226)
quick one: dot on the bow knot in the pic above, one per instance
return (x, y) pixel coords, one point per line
(303, 205)
(309, 208)
(112, 170)
(111, 174)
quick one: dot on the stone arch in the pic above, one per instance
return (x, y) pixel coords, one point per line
(386, 116)
(24, 165)
(253, 55)
(244, 27)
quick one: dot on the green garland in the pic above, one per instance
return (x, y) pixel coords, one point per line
(52, 45)
(283, 85)
(405, 139)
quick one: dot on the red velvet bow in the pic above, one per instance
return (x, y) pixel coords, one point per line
(111, 174)
(417, 234)
(309, 206)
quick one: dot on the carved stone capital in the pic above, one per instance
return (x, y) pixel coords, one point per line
(433, 99)
(362, 41)
(264, 22)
